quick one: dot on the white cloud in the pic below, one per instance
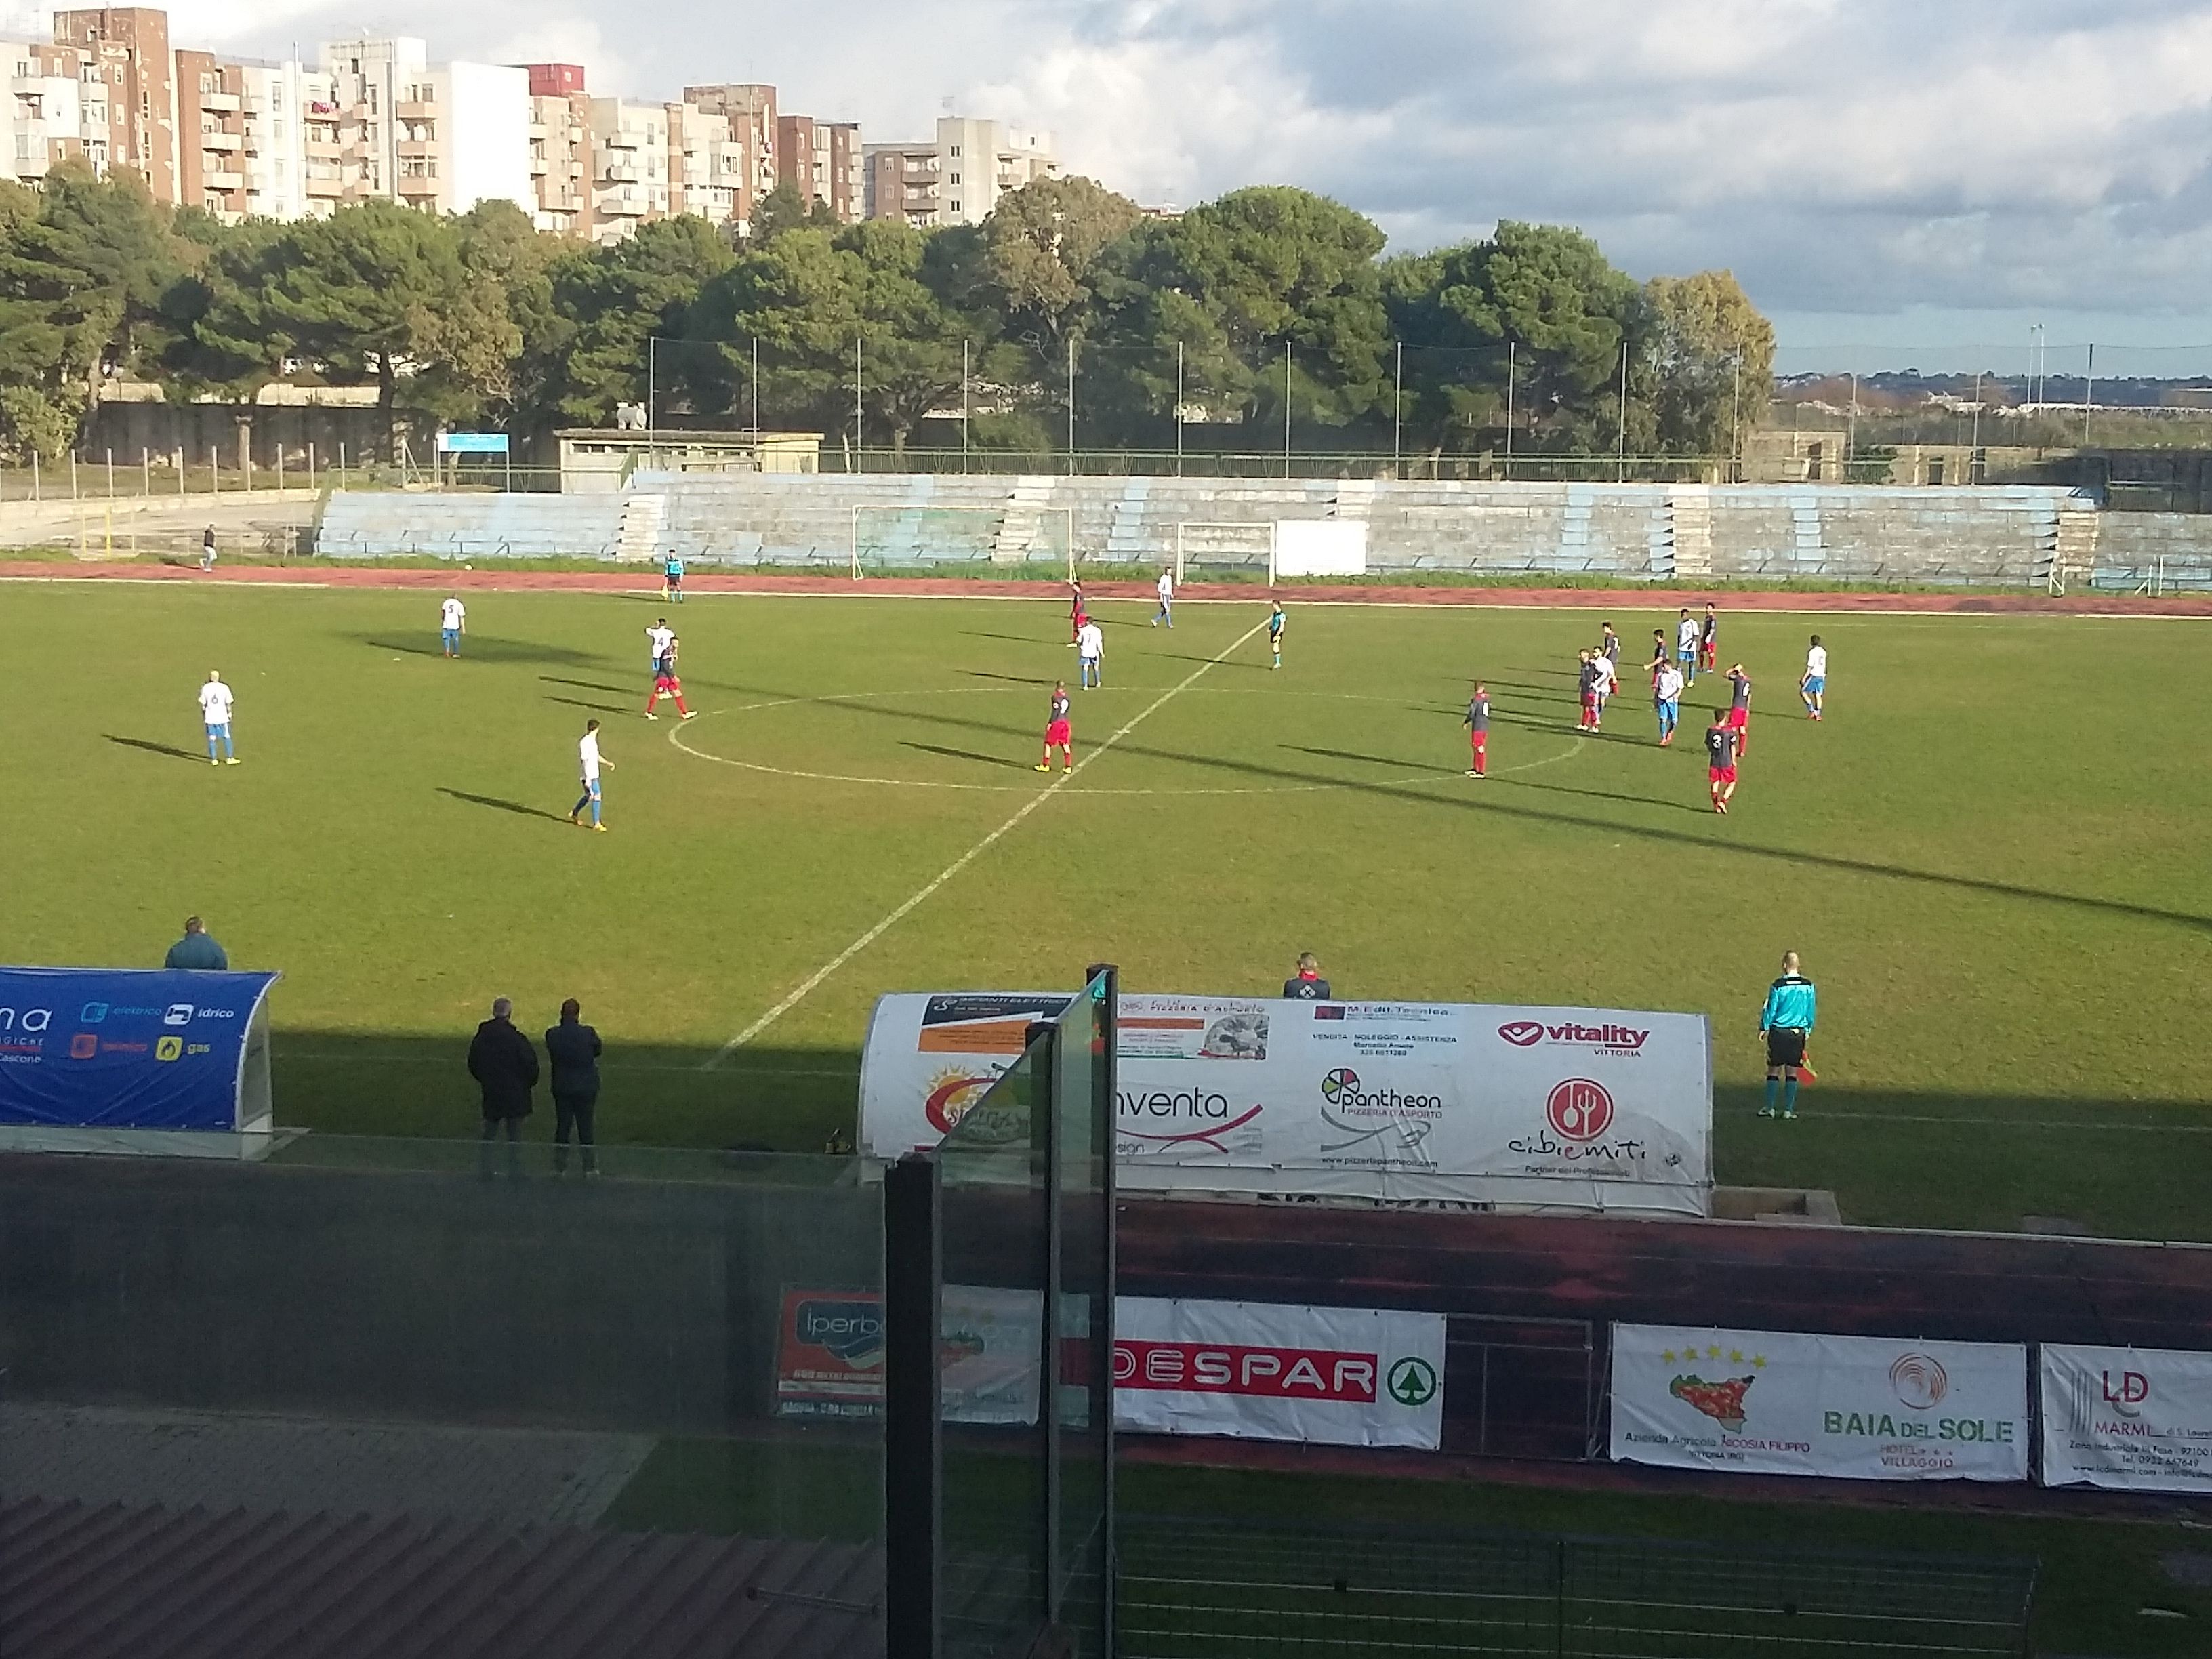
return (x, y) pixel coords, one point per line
(1844, 156)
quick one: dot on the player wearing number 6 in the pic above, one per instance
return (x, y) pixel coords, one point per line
(215, 710)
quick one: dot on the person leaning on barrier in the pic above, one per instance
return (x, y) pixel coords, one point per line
(1307, 985)
(197, 951)
(505, 1067)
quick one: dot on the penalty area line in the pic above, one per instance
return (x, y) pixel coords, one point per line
(807, 986)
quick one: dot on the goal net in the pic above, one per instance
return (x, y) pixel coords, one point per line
(1007, 540)
(1244, 548)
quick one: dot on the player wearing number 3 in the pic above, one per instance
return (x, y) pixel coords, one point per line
(1058, 734)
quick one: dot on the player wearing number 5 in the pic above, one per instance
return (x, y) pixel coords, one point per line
(1787, 1023)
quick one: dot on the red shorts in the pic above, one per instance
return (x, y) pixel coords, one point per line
(1481, 740)
(1721, 773)
(668, 685)
(1059, 735)
(1738, 720)
(1589, 699)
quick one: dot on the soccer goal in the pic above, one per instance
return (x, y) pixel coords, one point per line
(1243, 548)
(1012, 539)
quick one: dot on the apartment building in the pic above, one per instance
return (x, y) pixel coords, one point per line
(102, 90)
(627, 172)
(750, 109)
(559, 148)
(241, 137)
(822, 160)
(957, 177)
(710, 166)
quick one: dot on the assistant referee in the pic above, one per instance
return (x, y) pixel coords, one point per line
(1787, 1022)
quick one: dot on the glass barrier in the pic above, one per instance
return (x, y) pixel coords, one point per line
(438, 1335)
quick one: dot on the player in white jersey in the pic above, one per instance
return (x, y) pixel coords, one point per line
(1813, 686)
(659, 638)
(589, 760)
(215, 710)
(1603, 683)
(1165, 587)
(1685, 646)
(1089, 647)
(452, 622)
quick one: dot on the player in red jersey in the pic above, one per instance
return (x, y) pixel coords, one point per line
(1058, 734)
(1738, 714)
(666, 684)
(1076, 614)
(1720, 760)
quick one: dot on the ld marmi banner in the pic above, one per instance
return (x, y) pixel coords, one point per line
(2137, 1419)
(1852, 1407)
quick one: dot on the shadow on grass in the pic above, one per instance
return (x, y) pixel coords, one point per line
(499, 806)
(594, 708)
(1008, 679)
(965, 755)
(482, 648)
(151, 748)
(1011, 639)
(1711, 841)
(1394, 763)
(586, 685)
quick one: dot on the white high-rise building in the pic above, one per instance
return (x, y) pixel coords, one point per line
(442, 138)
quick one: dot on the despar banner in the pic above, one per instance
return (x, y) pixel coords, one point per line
(1853, 1408)
(1539, 1108)
(2138, 1418)
(1253, 1370)
(125, 1048)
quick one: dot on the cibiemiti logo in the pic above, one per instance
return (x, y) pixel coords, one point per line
(1579, 1109)
(1523, 1033)
(1920, 1380)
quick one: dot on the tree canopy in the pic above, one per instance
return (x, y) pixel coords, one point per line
(1206, 322)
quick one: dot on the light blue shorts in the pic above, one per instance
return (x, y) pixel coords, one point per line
(1816, 685)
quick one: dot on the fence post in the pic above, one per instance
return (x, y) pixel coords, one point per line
(342, 466)
(215, 470)
(180, 469)
(311, 467)
(280, 467)
(36, 495)
(111, 473)
(73, 489)
(145, 471)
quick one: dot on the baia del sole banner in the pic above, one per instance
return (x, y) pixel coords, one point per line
(1573, 1108)
(1851, 1407)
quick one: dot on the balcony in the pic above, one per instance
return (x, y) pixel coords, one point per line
(418, 149)
(323, 149)
(224, 181)
(413, 110)
(412, 188)
(216, 138)
(226, 103)
(620, 172)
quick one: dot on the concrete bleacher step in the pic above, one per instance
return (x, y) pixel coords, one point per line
(644, 518)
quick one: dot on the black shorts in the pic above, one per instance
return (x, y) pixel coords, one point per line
(1785, 1046)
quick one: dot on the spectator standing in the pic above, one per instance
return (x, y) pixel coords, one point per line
(197, 951)
(207, 549)
(1307, 985)
(505, 1067)
(1787, 1023)
(574, 1050)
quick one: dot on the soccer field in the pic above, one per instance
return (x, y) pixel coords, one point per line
(1993, 853)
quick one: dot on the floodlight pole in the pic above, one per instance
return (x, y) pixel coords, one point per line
(1071, 406)
(964, 369)
(1512, 354)
(1286, 409)
(1178, 410)
(1621, 457)
(856, 403)
(1974, 448)
(2089, 394)
(652, 345)
(1398, 419)
(755, 390)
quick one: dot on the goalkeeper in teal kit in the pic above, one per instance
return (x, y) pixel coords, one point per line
(1787, 1022)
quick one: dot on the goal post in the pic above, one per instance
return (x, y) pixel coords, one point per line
(1240, 546)
(1013, 538)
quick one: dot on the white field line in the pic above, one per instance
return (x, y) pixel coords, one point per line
(807, 985)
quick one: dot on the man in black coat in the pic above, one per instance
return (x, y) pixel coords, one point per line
(573, 1049)
(505, 1067)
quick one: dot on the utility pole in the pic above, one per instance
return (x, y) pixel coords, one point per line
(963, 405)
(1974, 450)
(1735, 422)
(856, 403)
(756, 454)
(1511, 350)
(1071, 403)
(1286, 409)
(2089, 394)
(1178, 409)
(651, 345)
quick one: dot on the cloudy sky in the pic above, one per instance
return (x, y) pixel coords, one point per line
(1894, 183)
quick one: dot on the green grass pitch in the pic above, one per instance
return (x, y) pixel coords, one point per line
(1993, 855)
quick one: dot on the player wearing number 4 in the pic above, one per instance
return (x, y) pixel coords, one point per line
(1815, 684)
(215, 710)
(665, 682)
(1058, 734)
(452, 622)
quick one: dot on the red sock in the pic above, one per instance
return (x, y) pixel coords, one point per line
(680, 708)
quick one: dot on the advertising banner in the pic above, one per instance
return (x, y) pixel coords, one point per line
(1346, 1376)
(132, 1049)
(829, 1353)
(1255, 1370)
(2135, 1418)
(1851, 1407)
(1578, 1109)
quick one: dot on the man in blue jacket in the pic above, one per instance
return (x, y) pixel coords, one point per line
(1787, 1021)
